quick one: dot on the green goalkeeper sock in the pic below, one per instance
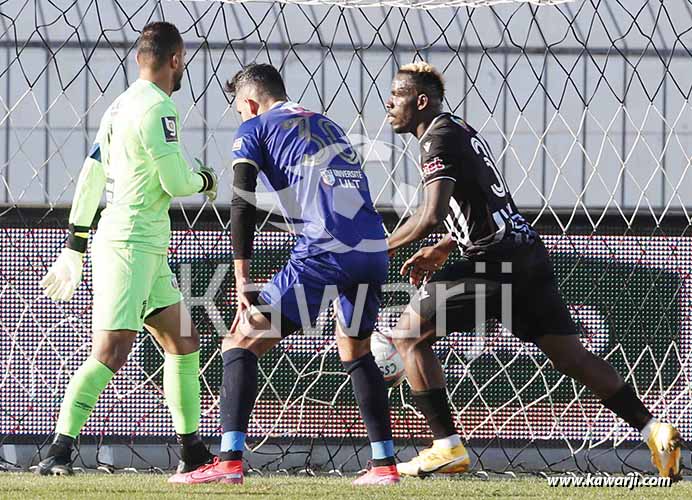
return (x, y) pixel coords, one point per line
(81, 395)
(181, 387)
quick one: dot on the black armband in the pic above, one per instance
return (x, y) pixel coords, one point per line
(75, 240)
(243, 210)
(208, 181)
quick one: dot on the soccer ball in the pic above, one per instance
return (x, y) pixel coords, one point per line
(387, 358)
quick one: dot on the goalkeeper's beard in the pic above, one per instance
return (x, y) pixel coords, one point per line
(177, 83)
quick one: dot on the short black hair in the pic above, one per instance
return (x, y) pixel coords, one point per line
(425, 78)
(264, 77)
(159, 41)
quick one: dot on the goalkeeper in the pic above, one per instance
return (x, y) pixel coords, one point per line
(137, 159)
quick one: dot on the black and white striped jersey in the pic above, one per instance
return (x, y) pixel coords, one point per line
(482, 218)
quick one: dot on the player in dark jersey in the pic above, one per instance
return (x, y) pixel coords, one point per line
(307, 162)
(502, 258)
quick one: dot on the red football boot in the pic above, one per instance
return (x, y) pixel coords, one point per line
(230, 472)
(382, 475)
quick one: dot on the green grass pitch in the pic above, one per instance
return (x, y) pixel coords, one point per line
(103, 486)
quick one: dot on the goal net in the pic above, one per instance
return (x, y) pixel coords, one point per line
(586, 107)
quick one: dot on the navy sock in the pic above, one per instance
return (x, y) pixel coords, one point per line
(189, 440)
(238, 394)
(626, 405)
(435, 407)
(371, 395)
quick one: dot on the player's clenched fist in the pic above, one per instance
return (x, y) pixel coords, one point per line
(64, 276)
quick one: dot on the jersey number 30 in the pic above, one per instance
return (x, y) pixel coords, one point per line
(329, 139)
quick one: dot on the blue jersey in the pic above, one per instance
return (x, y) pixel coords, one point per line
(308, 164)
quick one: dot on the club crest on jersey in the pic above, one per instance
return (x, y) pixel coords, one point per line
(328, 177)
(170, 128)
(433, 166)
(237, 144)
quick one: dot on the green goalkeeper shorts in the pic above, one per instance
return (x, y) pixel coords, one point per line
(128, 286)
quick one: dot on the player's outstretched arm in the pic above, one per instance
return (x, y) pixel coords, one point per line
(427, 217)
(64, 276)
(160, 137)
(177, 179)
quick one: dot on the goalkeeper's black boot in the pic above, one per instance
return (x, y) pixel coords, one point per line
(193, 457)
(57, 463)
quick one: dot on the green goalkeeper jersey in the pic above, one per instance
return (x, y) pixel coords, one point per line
(137, 159)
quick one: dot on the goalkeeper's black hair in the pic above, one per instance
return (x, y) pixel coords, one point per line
(159, 41)
(264, 77)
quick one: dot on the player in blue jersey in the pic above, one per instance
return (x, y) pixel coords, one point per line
(306, 160)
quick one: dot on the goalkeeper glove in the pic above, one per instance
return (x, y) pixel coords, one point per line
(64, 276)
(211, 182)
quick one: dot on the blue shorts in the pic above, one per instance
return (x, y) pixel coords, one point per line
(352, 280)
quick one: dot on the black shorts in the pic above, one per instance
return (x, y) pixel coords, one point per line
(520, 292)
